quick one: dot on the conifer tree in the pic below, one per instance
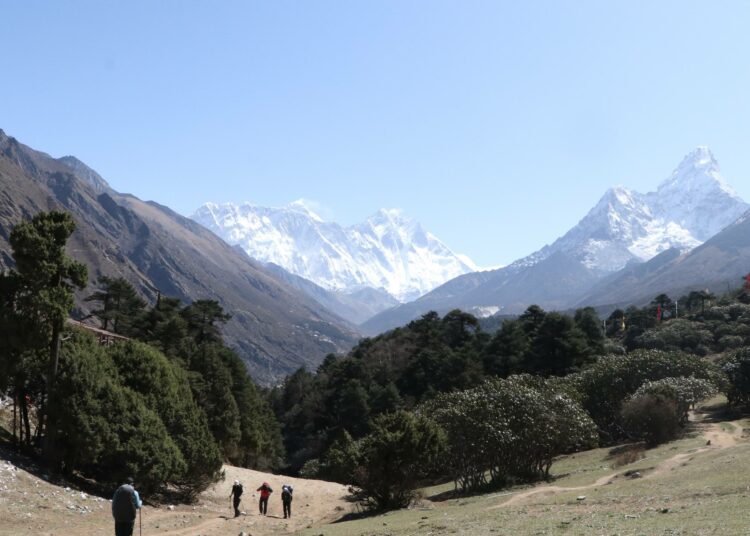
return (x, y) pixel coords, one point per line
(46, 277)
(120, 304)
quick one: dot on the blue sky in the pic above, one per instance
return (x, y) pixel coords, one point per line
(495, 124)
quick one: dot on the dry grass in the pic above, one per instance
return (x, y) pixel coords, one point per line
(627, 455)
(687, 488)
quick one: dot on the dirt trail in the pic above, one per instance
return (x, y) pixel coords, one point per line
(31, 505)
(552, 490)
(718, 435)
(315, 502)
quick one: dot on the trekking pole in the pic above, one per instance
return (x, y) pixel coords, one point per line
(140, 521)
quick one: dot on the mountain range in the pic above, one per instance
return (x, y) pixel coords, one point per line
(388, 252)
(275, 327)
(622, 231)
(299, 287)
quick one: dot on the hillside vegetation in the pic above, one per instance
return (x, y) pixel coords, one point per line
(439, 400)
(685, 487)
(168, 410)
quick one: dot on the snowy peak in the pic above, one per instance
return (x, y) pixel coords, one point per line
(697, 197)
(690, 206)
(393, 229)
(618, 201)
(698, 174)
(699, 158)
(304, 206)
(388, 251)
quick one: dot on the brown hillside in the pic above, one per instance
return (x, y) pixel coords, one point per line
(275, 327)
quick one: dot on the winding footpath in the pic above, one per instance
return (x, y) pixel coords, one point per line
(721, 435)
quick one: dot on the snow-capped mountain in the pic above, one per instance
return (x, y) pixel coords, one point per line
(688, 208)
(387, 251)
(693, 204)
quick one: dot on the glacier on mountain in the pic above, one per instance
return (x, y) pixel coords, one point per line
(387, 251)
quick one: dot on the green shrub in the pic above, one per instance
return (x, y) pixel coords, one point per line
(401, 449)
(341, 460)
(106, 429)
(509, 429)
(165, 389)
(652, 418)
(604, 386)
(686, 392)
(736, 366)
(729, 342)
(678, 334)
(311, 469)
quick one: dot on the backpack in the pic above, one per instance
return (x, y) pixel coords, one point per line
(286, 493)
(123, 503)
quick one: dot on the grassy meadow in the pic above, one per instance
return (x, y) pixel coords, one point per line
(687, 487)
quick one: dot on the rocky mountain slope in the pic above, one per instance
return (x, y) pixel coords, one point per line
(275, 327)
(718, 265)
(388, 251)
(623, 229)
(355, 306)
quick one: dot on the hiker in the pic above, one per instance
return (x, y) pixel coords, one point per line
(286, 499)
(125, 503)
(237, 493)
(265, 493)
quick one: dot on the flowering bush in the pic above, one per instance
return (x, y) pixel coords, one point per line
(506, 429)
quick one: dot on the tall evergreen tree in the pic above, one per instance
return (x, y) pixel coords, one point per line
(203, 318)
(46, 278)
(120, 304)
(558, 347)
(588, 322)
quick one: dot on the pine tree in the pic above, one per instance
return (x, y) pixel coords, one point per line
(203, 318)
(120, 304)
(46, 277)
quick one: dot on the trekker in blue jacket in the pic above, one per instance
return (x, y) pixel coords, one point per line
(125, 504)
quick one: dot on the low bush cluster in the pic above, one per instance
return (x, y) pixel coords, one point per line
(607, 384)
(685, 392)
(736, 366)
(651, 417)
(508, 429)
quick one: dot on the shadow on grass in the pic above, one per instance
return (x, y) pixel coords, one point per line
(720, 412)
(509, 486)
(362, 514)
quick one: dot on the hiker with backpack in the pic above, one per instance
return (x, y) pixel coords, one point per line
(286, 499)
(236, 493)
(125, 504)
(265, 492)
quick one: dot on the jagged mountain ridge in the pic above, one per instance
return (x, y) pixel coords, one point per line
(719, 264)
(622, 229)
(687, 208)
(387, 251)
(275, 328)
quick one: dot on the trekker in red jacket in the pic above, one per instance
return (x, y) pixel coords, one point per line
(265, 493)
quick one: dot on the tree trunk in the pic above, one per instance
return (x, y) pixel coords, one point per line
(26, 426)
(117, 315)
(15, 403)
(38, 429)
(40, 414)
(51, 429)
(105, 315)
